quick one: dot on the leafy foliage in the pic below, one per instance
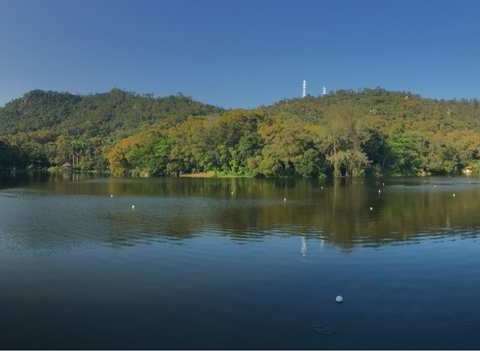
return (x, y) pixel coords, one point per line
(70, 129)
(346, 133)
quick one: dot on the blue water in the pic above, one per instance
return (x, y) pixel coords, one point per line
(229, 264)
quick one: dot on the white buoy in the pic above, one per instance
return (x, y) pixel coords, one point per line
(111, 196)
(132, 207)
(371, 208)
(339, 299)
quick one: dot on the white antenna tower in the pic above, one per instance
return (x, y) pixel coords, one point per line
(304, 88)
(324, 90)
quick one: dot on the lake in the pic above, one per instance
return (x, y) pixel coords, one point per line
(228, 263)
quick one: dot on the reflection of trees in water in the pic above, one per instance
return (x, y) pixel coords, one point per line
(11, 180)
(125, 226)
(339, 213)
(251, 209)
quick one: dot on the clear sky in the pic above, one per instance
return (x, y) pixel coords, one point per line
(239, 53)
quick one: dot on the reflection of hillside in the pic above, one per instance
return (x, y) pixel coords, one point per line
(124, 226)
(246, 209)
(7, 180)
(339, 213)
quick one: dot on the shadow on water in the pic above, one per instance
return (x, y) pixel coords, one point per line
(344, 212)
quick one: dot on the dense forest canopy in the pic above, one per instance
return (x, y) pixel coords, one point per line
(59, 128)
(344, 133)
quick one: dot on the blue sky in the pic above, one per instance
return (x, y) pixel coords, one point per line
(239, 53)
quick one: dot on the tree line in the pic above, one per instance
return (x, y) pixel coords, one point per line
(53, 129)
(345, 133)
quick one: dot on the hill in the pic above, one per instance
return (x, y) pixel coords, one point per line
(390, 105)
(348, 133)
(71, 128)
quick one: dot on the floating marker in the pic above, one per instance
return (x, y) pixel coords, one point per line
(339, 299)
(132, 207)
(371, 208)
(111, 196)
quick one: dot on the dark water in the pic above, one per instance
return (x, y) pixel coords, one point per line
(228, 264)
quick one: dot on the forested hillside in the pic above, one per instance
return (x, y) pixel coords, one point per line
(51, 129)
(348, 133)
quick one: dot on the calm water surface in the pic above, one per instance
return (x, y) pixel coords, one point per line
(205, 263)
